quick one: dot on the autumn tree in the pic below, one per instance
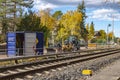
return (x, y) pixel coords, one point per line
(57, 16)
(92, 30)
(70, 22)
(61, 35)
(48, 21)
(87, 27)
(110, 36)
(88, 32)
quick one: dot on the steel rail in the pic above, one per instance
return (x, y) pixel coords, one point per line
(50, 60)
(62, 62)
(37, 56)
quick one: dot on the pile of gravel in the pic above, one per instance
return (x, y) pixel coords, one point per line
(73, 72)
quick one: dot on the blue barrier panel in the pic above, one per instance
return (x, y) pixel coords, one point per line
(39, 43)
(11, 44)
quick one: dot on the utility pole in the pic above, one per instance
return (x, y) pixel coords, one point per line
(113, 28)
(108, 32)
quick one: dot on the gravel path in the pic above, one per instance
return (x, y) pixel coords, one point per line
(73, 72)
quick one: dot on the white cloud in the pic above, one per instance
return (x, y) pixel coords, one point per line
(89, 3)
(42, 4)
(102, 10)
(105, 14)
(39, 4)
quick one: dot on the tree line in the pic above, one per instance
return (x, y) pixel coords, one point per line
(56, 27)
(11, 12)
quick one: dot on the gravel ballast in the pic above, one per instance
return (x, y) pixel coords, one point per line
(73, 72)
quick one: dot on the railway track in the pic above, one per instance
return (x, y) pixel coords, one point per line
(25, 59)
(21, 70)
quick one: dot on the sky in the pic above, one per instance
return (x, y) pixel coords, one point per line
(101, 12)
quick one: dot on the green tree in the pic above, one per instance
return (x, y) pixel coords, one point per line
(81, 9)
(57, 15)
(83, 31)
(31, 22)
(100, 36)
(10, 10)
(103, 34)
(10, 13)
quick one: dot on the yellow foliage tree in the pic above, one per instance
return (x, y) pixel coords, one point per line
(62, 35)
(70, 22)
(46, 19)
(110, 35)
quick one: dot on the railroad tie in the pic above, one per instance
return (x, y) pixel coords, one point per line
(59, 69)
(36, 67)
(28, 68)
(39, 65)
(77, 64)
(12, 72)
(21, 70)
(46, 72)
(64, 67)
(53, 70)
(29, 77)
(38, 74)
(18, 79)
(3, 74)
(118, 78)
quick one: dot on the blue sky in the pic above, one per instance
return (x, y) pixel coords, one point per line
(101, 12)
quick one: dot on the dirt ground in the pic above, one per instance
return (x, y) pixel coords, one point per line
(111, 72)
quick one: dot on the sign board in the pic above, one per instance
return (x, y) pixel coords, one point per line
(87, 72)
(11, 44)
(92, 45)
(39, 43)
